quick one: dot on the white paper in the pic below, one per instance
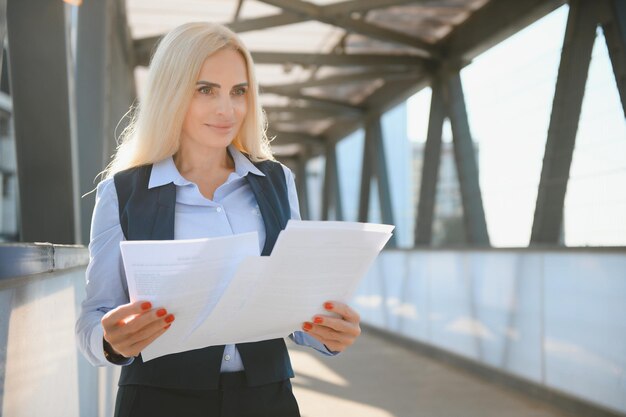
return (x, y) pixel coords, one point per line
(187, 277)
(258, 298)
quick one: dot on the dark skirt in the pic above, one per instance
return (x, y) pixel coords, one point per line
(233, 399)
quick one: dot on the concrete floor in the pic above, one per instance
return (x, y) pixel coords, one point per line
(375, 378)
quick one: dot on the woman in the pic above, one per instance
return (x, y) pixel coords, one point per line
(194, 162)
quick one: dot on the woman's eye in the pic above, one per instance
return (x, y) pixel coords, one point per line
(205, 90)
(239, 91)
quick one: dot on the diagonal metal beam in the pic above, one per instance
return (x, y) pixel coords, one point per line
(381, 173)
(345, 21)
(465, 159)
(568, 97)
(367, 60)
(325, 103)
(301, 183)
(237, 10)
(383, 99)
(341, 79)
(294, 137)
(430, 166)
(3, 28)
(366, 179)
(493, 23)
(331, 195)
(615, 35)
(310, 112)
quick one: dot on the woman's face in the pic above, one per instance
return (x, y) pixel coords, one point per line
(219, 103)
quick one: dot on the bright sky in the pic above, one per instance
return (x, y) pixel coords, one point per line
(509, 91)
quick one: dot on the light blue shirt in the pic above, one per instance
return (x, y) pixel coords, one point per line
(233, 210)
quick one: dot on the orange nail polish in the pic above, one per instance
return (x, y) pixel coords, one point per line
(169, 318)
(146, 306)
(328, 306)
(307, 327)
(161, 312)
(167, 327)
(318, 320)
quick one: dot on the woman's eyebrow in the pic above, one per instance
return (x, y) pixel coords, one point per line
(215, 85)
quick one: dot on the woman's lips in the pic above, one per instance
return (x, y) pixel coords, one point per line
(221, 128)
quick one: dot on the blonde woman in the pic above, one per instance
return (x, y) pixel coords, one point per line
(195, 162)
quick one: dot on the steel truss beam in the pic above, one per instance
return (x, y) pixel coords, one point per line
(407, 73)
(568, 96)
(346, 21)
(493, 23)
(614, 27)
(331, 194)
(430, 166)
(466, 165)
(301, 183)
(294, 137)
(321, 103)
(310, 112)
(3, 29)
(374, 166)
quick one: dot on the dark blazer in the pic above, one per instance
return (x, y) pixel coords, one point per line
(148, 214)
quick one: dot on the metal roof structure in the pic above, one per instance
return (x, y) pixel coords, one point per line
(325, 66)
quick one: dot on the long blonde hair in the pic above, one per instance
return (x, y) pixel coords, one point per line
(156, 123)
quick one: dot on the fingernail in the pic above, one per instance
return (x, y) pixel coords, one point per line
(307, 327)
(169, 318)
(161, 312)
(328, 306)
(146, 306)
(318, 320)
(167, 327)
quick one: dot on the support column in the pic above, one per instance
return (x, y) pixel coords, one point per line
(331, 194)
(381, 174)
(366, 178)
(568, 96)
(614, 28)
(375, 166)
(104, 89)
(430, 167)
(465, 158)
(39, 86)
(3, 29)
(302, 186)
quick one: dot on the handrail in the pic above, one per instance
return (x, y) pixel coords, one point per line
(18, 260)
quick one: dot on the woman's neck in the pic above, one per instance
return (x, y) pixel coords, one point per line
(202, 161)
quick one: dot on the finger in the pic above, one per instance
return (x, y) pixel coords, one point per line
(326, 334)
(138, 328)
(120, 313)
(337, 324)
(136, 348)
(150, 329)
(343, 310)
(332, 345)
(137, 323)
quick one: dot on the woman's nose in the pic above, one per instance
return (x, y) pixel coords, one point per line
(224, 106)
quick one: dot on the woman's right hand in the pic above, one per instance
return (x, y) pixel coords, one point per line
(131, 327)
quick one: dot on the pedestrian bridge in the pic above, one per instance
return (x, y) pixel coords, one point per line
(446, 333)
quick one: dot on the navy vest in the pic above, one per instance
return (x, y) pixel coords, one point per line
(148, 214)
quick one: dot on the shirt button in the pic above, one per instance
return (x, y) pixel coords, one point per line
(219, 209)
(227, 357)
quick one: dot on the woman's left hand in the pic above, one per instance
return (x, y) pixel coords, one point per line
(337, 333)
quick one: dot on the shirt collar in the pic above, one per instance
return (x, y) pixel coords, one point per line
(165, 171)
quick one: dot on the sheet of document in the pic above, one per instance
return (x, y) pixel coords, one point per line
(187, 277)
(269, 297)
